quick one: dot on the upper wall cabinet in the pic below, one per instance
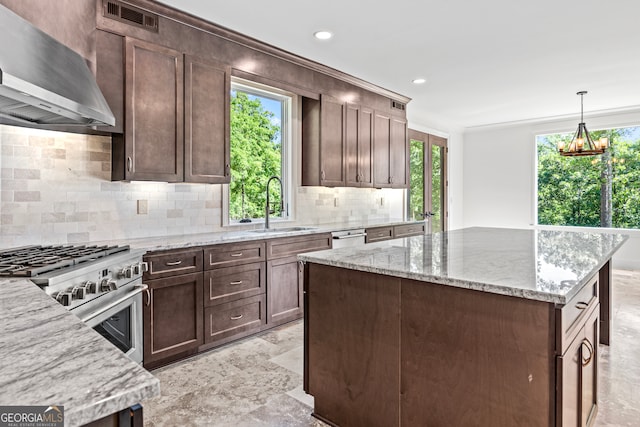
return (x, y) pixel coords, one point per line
(176, 114)
(323, 142)
(337, 143)
(207, 89)
(390, 151)
(359, 142)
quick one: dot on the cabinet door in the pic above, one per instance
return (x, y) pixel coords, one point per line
(398, 149)
(332, 142)
(589, 359)
(173, 318)
(365, 147)
(359, 140)
(206, 115)
(154, 116)
(352, 137)
(284, 290)
(381, 138)
(578, 376)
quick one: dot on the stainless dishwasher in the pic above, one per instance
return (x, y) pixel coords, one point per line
(348, 238)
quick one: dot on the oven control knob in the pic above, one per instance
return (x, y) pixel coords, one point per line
(64, 298)
(108, 285)
(90, 287)
(125, 273)
(78, 292)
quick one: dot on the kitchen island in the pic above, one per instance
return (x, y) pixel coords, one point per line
(480, 326)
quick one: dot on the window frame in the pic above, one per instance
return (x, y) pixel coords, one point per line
(287, 140)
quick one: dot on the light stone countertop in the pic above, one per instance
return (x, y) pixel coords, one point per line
(161, 243)
(49, 357)
(543, 265)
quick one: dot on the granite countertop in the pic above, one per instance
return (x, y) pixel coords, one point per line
(231, 236)
(544, 265)
(49, 357)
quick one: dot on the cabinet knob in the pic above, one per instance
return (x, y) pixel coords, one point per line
(586, 360)
(129, 163)
(227, 170)
(322, 175)
(390, 180)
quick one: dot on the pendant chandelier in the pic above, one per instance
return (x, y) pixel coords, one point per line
(582, 144)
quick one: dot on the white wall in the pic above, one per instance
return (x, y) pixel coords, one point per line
(500, 173)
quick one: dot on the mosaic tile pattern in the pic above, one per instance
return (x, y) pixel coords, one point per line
(258, 381)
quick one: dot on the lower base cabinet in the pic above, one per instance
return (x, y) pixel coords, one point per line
(284, 290)
(577, 376)
(172, 319)
(228, 321)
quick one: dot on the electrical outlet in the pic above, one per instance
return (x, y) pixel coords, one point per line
(143, 207)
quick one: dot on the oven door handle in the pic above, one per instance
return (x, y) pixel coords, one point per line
(139, 289)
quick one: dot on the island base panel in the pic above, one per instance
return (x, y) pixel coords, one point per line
(353, 346)
(475, 358)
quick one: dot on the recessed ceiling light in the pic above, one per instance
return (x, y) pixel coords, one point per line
(419, 81)
(322, 35)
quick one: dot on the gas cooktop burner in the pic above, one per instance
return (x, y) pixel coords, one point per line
(30, 261)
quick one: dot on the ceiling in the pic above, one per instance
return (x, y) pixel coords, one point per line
(486, 62)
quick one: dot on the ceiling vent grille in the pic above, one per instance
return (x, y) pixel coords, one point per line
(121, 12)
(398, 105)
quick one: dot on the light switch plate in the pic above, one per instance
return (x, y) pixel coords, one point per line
(143, 207)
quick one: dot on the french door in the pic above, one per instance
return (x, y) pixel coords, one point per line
(428, 180)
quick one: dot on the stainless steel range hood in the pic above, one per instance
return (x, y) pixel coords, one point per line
(43, 82)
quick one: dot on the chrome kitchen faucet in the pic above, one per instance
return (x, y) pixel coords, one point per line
(267, 208)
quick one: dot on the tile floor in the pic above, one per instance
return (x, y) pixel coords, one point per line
(258, 381)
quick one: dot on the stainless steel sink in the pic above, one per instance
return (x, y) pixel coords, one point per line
(283, 230)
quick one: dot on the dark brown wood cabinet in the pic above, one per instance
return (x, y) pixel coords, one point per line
(172, 319)
(207, 89)
(285, 279)
(172, 315)
(359, 145)
(390, 151)
(408, 230)
(152, 146)
(175, 124)
(378, 234)
(323, 142)
(234, 291)
(285, 293)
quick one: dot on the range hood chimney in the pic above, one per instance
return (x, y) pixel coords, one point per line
(43, 82)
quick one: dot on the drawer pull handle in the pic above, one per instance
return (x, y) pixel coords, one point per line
(238, 282)
(237, 255)
(236, 317)
(582, 305)
(173, 263)
(589, 347)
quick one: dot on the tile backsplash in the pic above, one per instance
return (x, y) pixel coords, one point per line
(55, 188)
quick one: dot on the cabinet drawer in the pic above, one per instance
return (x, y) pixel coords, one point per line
(378, 234)
(407, 230)
(570, 317)
(234, 319)
(231, 283)
(288, 246)
(227, 255)
(165, 264)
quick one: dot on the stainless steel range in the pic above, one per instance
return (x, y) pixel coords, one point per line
(102, 285)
